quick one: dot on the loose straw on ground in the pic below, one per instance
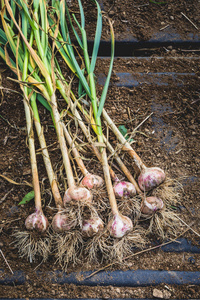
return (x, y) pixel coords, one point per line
(6, 262)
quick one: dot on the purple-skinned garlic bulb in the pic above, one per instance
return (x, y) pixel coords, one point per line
(77, 194)
(61, 223)
(124, 189)
(151, 204)
(37, 221)
(150, 178)
(92, 226)
(119, 225)
(92, 181)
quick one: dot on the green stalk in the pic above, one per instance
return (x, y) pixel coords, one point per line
(45, 153)
(121, 221)
(43, 67)
(91, 76)
(36, 185)
(37, 59)
(41, 42)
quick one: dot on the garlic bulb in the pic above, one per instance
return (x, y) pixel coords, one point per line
(92, 226)
(119, 225)
(77, 194)
(151, 205)
(37, 221)
(124, 189)
(62, 223)
(150, 178)
(92, 181)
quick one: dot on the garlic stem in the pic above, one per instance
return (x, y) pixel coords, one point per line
(111, 195)
(48, 165)
(137, 160)
(75, 152)
(122, 166)
(63, 147)
(82, 125)
(36, 185)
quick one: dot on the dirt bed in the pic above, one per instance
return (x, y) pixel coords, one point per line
(144, 20)
(169, 138)
(177, 111)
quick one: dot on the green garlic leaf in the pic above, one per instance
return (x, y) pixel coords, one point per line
(124, 131)
(27, 198)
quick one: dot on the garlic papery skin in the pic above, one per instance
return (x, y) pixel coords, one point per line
(151, 204)
(37, 221)
(119, 225)
(150, 178)
(77, 194)
(124, 189)
(92, 226)
(92, 181)
(61, 223)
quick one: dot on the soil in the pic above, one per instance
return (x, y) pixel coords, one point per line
(169, 138)
(143, 20)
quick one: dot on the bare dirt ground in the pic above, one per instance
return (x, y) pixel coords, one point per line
(168, 139)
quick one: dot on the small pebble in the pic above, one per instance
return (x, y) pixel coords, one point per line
(166, 294)
(111, 13)
(173, 51)
(29, 290)
(191, 260)
(117, 290)
(13, 210)
(171, 17)
(158, 294)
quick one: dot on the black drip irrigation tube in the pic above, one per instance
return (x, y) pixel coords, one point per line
(131, 46)
(131, 80)
(131, 278)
